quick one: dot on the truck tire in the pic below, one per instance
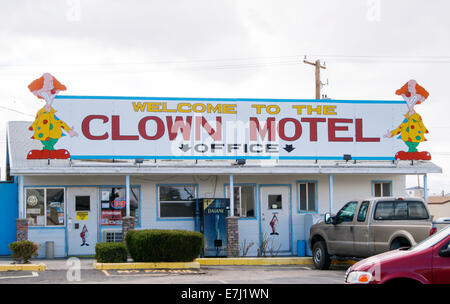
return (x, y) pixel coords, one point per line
(320, 256)
(400, 243)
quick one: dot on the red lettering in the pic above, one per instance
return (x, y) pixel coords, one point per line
(268, 128)
(85, 127)
(179, 124)
(159, 128)
(313, 126)
(281, 129)
(332, 128)
(359, 133)
(115, 128)
(215, 134)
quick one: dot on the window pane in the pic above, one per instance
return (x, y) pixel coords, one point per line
(274, 201)
(113, 205)
(176, 193)
(417, 210)
(362, 214)
(384, 211)
(311, 197)
(377, 190)
(386, 189)
(177, 201)
(303, 195)
(55, 207)
(83, 203)
(347, 212)
(401, 210)
(248, 201)
(185, 209)
(35, 207)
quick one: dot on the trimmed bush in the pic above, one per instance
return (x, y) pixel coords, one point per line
(164, 245)
(23, 251)
(111, 253)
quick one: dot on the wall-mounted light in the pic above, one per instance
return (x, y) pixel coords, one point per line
(138, 160)
(240, 162)
(347, 157)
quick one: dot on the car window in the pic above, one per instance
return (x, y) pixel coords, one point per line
(417, 210)
(384, 211)
(347, 212)
(431, 240)
(400, 210)
(362, 214)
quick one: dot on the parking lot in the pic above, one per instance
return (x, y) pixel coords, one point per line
(298, 274)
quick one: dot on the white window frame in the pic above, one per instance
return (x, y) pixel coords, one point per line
(227, 195)
(45, 205)
(381, 188)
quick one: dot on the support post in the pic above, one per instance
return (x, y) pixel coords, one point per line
(127, 195)
(330, 191)
(425, 191)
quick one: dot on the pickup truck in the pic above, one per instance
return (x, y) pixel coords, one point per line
(368, 227)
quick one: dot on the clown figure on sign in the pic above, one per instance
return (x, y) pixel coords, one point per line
(412, 130)
(47, 127)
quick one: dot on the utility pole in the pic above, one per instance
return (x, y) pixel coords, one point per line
(318, 66)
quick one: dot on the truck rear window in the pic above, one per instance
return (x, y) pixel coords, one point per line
(400, 210)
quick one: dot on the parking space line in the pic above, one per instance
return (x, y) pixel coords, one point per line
(33, 274)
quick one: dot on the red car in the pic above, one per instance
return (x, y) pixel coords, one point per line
(428, 262)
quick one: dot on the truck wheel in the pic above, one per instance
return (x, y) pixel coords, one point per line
(321, 258)
(399, 243)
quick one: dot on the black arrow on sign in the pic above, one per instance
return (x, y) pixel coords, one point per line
(289, 148)
(184, 147)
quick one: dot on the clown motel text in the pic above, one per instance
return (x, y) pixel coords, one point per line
(194, 127)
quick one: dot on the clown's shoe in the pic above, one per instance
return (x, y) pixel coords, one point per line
(59, 154)
(402, 155)
(38, 154)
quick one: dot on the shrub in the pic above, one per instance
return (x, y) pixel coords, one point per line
(111, 252)
(164, 245)
(23, 251)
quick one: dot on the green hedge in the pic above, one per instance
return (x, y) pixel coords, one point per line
(111, 252)
(23, 251)
(164, 245)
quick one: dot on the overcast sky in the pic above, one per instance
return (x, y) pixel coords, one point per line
(230, 48)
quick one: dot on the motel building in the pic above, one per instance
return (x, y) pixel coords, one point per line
(91, 167)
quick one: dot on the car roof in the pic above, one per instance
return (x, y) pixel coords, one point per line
(393, 198)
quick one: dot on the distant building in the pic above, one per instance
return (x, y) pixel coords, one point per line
(439, 206)
(415, 191)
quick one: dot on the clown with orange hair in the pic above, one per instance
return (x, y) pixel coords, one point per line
(47, 126)
(412, 130)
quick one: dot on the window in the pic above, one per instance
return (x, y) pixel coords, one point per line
(382, 189)
(274, 201)
(347, 212)
(83, 203)
(307, 196)
(244, 200)
(177, 201)
(45, 207)
(400, 210)
(362, 214)
(113, 205)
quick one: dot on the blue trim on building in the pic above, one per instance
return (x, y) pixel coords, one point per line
(138, 98)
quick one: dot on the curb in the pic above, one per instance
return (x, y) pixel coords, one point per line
(22, 267)
(160, 265)
(265, 261)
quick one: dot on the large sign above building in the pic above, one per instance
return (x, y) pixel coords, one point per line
(101, 127)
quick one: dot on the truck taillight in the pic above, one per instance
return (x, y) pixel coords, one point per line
(433, 230)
